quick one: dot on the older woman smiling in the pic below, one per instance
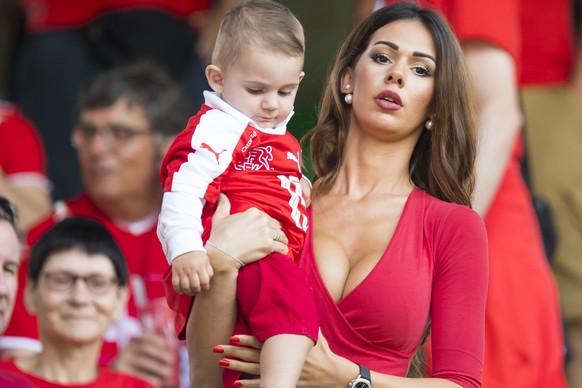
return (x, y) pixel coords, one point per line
(77, 286)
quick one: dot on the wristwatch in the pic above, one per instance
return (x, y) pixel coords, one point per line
(364, 380)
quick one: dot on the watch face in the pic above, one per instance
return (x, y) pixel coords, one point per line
(360, 383)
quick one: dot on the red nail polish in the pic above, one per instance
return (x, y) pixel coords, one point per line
(234, 339)
(218, 349)
(237, 384)
(224, 362)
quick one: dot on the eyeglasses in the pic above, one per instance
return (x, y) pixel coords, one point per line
(65, 281)
(8, 211)
(114, 135)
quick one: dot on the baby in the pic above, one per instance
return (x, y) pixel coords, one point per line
(238, 144)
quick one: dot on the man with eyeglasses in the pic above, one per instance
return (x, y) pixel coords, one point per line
(126, 119)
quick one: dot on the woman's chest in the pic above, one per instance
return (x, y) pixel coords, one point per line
(378, 271)
(349, 241)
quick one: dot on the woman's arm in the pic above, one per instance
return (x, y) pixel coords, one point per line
(499, 120)
(322, 368)
(249, 237)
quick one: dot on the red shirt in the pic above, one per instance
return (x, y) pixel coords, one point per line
(43, 15)
(221, 150)
(548, 42)
(106, 378)
(22, 157)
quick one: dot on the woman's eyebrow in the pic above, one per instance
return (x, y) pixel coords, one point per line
(395, 47)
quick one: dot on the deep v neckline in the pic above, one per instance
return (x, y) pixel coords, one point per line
(395, 235)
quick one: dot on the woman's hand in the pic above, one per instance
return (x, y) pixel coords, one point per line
(248, 236)
(322, 368)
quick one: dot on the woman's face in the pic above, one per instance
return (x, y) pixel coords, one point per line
(393, 82)
(81, 313)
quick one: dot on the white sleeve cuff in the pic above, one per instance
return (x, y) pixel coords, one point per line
(180, 224)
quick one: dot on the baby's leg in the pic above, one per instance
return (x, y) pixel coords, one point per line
(282, 358)
(277, 306)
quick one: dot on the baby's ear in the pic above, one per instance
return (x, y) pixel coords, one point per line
(215, 78)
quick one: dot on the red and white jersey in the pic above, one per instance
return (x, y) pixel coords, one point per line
(22, 157)
(222, 150)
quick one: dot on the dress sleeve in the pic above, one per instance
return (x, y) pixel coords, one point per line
(458, 298)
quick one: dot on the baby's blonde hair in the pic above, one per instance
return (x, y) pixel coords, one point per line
(252, 24)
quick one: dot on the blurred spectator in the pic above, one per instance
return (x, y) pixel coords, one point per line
(523, 334)
(22, 167)
(9, 261)
(77, 286)
(67, 42)
(126, 120)
(552, 101)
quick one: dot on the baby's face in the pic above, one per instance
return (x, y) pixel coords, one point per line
(262, 85)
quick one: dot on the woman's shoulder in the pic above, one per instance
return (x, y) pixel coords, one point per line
(439, 208)
(441, 215)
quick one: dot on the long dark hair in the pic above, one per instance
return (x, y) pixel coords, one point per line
(443, 158)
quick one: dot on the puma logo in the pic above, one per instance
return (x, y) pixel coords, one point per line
(216, 154)
(294, 158)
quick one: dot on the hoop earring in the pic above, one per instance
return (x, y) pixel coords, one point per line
(428, 124)
(349, 98)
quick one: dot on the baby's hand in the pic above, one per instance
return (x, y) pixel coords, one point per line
(191, 273)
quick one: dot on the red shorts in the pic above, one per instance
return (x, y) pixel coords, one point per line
(273, 298)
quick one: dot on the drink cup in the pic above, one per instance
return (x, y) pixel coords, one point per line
(157, 317)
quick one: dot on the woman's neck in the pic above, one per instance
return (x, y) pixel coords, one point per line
(373, 167)
(64, 364)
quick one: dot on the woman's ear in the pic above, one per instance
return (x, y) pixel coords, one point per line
(346, 85)
(215, 78)
(29, 298)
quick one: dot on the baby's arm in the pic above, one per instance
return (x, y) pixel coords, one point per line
(191, 273)
(180, 230)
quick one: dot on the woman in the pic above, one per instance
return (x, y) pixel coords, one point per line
(393, 248)
(77, 286)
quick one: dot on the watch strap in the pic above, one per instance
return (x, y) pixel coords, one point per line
(365, 372)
